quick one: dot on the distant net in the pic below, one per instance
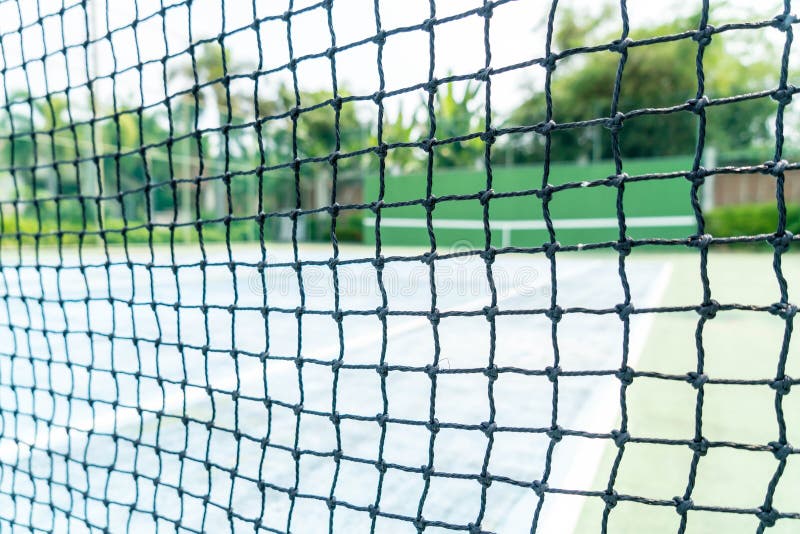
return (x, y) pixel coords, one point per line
(166, 365)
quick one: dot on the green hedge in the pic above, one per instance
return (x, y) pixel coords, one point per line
(750, 219)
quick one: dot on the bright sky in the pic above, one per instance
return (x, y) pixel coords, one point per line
(517, 34)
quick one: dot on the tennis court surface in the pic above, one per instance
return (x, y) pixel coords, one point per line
(371, 266)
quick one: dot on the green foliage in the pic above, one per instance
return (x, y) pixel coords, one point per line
(458, 115)
(654, 76)
(750, 219)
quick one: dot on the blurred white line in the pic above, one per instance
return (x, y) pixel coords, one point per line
(560, 513)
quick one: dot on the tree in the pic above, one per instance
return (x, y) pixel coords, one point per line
(457, 115)
(655, 76)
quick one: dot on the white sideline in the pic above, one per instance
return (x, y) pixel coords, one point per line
(506, 227)
(560, 513)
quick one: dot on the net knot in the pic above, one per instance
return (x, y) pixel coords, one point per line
(782, 386)
(294, 214)
(382, 150)
(703, 37)
(338, 316)
(427, 144)
(624, 311)
(697, 176)
(381, 312)
(781, 451)
(610, 497)
(429, 257)
(549, 63)
(552, 373)
(555, 313)
(699, 446)
(620, 437)
(775, 168)
(708, 310)
(484, 74)
(784, 96)
(550, 249)
(486, 10)
(338, 102)
(768, 516)
(373, 510)
(297, 409)
(697, 380)
(378, 262)
(697, 105)
(485, 480)
(490, 312)
(474, 529)
(330, 53)
(286, 16)
(781, 242)
(382, 370)
(335, 366)
(625, 375)
(784, 310)
(620, 45)
(378, 96)
(292, 493)
(298, 311)
(294, 113)
(382, 418)
(544, 128)
(784, 21)
(485, 196)
(431, 86)
(488, 428)
(489, 136)
(428, 24)
(683, 505)
(420, 524)
(614, 123)
(539, 487)
(491, 372)
(431, 370)
(556, 433)
(617, 179)
(700, 241)
(545, 194)
(623, 247)
(427, 471)
(333, 157)
(379, 38)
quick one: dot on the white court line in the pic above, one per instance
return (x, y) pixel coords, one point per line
(505, 227)
(560, 513)
(594, 222)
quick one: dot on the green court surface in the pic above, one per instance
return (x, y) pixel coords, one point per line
(739, 345)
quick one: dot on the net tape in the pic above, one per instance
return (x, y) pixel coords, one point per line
(44, 501)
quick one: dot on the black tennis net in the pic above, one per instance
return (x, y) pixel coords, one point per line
(167, 363)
